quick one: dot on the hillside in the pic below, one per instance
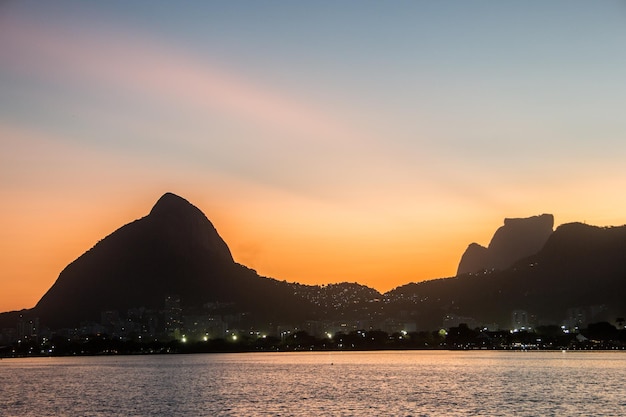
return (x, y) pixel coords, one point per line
(516, 239)
(578, 275)
(175, 250)
(580, 272)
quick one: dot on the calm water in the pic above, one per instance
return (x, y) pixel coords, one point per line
(412, 383)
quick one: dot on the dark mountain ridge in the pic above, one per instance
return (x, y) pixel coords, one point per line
(176, 250)
(581, 268)
(516, 239)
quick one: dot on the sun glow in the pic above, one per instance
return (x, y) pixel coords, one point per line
(365, 152)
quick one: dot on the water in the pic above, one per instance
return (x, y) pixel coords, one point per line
(410, 383)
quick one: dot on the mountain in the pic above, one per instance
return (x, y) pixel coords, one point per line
(578, 275)
(174, 250)
(173, 260)
(515, 240)
(475, 258)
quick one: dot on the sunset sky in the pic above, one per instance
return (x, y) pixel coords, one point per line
(333, 141)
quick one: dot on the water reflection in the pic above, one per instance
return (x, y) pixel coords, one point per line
(417, 383)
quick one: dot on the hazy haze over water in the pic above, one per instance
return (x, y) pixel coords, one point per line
(417, 383)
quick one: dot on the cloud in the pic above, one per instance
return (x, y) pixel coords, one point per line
(129, 62)
(276, 139)
(270, 133)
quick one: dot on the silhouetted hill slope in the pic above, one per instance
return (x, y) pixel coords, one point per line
(175, 250)
(339, 301)
(580, 267)
(475, 258)
(516, 239)
(584, 264)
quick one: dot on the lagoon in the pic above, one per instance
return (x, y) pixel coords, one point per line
(384, 383)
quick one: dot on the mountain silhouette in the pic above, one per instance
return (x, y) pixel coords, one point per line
(575, 271)
(515, 240)
(175, 250)
(580, 271)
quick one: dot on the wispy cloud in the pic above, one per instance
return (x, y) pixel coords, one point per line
(130, 62)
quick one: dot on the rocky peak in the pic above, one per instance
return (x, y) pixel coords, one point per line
(186, 223)
(475, 258)
(171, 204)
(518, 238)
(173, 250)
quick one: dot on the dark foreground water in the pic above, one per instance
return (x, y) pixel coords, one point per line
(415, 383)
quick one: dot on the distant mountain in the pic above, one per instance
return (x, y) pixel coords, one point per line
(175, 250)
(579, 274)
(576, 274)
(517, 239)
(475, 258)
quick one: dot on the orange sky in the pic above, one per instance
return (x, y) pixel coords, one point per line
(326, 143)
(302, 241)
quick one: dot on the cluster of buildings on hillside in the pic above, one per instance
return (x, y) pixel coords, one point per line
(174, 323)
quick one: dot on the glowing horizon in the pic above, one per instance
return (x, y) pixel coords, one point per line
(326, 142)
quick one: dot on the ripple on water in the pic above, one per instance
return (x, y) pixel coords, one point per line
(420, 383)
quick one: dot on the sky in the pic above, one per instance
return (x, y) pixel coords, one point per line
(358, 141)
